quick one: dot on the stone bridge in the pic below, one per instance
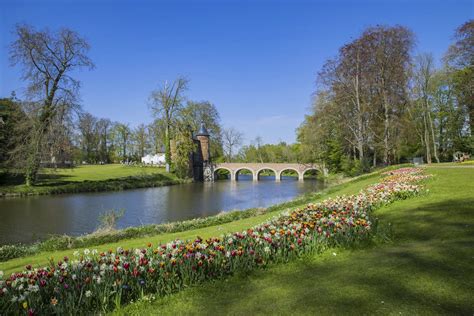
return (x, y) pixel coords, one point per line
(276, 168)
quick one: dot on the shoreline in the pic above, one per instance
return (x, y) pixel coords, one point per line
(65, 242)
(87, 186)
(299, 206)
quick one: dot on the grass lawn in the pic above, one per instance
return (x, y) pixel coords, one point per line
(428, 268)
(102, 172)
(84, 178)
(41, 259)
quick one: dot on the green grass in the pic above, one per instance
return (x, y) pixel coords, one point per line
(87, 178)
(103, 172)
(426, 269)
(467, 163)
(41, 259)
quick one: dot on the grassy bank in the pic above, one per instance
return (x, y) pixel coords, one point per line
(109, 280)
(88, 178)
(150, 234)
(425, 269)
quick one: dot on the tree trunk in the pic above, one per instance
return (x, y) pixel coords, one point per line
(374, 162)
(167, 144)
(360, 125)
(427, 140)
(32, 168)
(34, 155)
(386, 134)
(435, 151)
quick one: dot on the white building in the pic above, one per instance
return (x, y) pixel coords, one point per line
(157, 159)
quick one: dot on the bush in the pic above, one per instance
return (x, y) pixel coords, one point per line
(8, 252)
(108, 220)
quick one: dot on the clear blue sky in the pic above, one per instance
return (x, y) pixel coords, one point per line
(255, 60)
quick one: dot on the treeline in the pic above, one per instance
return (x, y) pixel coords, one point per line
(49, 128)
(259, 152)
(377, 103)
(76, 137)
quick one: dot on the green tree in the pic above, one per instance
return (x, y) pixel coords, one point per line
(14, 130)
(140, 138)
(460, 64)
(89, 137)
(322, 139)
(195, 113)
(122, 135)
(104, 127)
(156, 133)
(184, 148)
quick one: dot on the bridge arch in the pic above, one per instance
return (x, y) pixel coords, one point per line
(257, 174)
(237, 171)
(231, 172)
(310, 169)
(300, 175)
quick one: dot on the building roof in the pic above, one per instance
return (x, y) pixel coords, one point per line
(202, 131)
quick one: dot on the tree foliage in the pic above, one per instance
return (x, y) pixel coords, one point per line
(377, 104)
(195, 113)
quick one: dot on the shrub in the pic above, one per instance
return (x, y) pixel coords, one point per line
(108, 220)
(8, 252)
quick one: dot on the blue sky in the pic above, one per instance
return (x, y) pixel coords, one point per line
(255, 60)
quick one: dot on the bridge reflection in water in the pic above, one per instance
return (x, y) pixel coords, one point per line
(276, 168)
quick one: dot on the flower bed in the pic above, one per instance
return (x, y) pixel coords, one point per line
(94, 282)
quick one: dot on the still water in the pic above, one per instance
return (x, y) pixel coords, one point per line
(28, 219)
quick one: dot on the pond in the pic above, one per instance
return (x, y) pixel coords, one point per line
(31, 218)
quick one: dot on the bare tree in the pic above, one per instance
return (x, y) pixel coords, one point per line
(166, 103)
(345, 77)
(59, 137)
(423, 77)
(47, 59)
(389, 71)
(231, 138)
(258, 145)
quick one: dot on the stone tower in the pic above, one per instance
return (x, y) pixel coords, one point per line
(202, 165)
(203, 137)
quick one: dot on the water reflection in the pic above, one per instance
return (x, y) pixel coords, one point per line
(27, 219)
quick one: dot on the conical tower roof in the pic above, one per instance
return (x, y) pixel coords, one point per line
(202, 131)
